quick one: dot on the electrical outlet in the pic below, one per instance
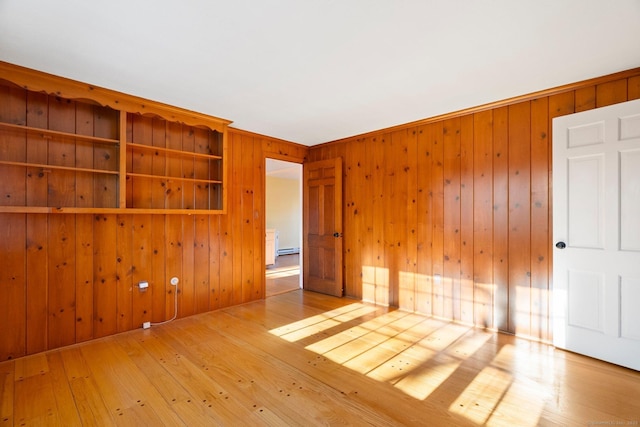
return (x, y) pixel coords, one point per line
(146, 325)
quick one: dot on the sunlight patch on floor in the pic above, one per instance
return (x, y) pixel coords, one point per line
(398, 348)
(340, 339)
(493, 398)
(482, 395)
(421, 355)
(426, 379)
(283, 273)
(314, 324)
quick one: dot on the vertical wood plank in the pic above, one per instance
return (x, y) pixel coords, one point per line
(13, 286)
(484, 286)
(201, 279)
(350, 240)
(380, 274)
(366, 213)
(467, 295)
(13, 110)
(390, 217)
(520, 218)
(124, 272)
(611, 93)
(633, 88)
(225, 241)
(540, 237)
(187, 292)
(159, 282)
(585, 98)
(437, 202)
(403, 283)
(214, 262)
(104, 276)
(259, 221)
(173, 190)
(37, 283)
(247, 271)
(142, 162)
(61, 183)
(201, 168)
(126, 198)
(62, 280)
(188, 168)
(159, 165)
(235, 201)
(142, 270)
(424, 288)
(411, 200)
(107, 156)
(38, 117)
(173, 260)
(501, 217)
(451, 222)
(84, 277)
(84, 157)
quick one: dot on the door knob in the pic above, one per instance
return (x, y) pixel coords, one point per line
(561, 245)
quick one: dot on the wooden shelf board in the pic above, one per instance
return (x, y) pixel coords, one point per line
(172, 151)
(47, 134)
(67, 168)
(173, 178)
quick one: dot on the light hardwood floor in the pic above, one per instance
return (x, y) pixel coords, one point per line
(283, 276)
(301, 358)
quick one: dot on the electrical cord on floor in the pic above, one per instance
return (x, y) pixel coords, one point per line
(174, 282)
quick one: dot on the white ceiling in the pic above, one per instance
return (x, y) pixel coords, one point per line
(311, 71)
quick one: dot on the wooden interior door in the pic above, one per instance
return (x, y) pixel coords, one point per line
(322, 210)
(596, 228)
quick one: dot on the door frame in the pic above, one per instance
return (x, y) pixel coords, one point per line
(284, 158)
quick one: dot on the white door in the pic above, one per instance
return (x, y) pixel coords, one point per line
(596, 229)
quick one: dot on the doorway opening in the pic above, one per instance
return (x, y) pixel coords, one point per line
(283, 220)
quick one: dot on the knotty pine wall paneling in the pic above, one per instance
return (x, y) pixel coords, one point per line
(474, 241)
(69, 278)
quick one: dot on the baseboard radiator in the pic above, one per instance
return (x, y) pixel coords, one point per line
(288, 251)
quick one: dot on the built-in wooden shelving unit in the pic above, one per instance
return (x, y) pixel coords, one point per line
(68, 147)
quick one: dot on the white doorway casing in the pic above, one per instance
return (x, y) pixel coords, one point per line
(596, 214)
(283, 205)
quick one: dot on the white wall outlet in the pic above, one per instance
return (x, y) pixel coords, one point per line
(146, 325)
(143, 285)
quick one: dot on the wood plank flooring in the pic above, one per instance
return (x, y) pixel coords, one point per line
(283, 276)
(301, 358)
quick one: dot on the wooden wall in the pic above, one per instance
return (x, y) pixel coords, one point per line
(68, 278)
(451, 216)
